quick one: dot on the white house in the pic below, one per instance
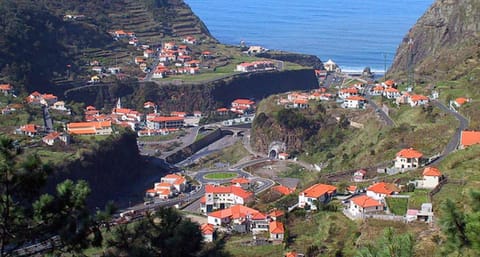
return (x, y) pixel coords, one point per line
(155, 121)
(178, 182)
(379, 191)
(359, 175)
(417, 100)
(391, 93)
(408, 158)
(208, 231)
(330, 65)
(348, 92)
(431, 178)
(363, 204)
(221, 197)
(300, 104)
(320, 193)
(277, 231)
(354, 102)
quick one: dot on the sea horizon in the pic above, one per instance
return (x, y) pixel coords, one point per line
(353, 33)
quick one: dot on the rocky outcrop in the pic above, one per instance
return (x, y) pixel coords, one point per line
(444, 43)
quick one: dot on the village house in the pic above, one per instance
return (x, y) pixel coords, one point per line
(379, 191)
(178, 114)
(259, 222)
(155, 121)
(318, 193)
(377, 90)
(160, 72)
(331, 66)
(359, 175)
(242, 106)
(347, 92)
(391, 93)
(90, 128)
(321, 74)
(190, 40)
(114, 70)
(30, 130)
(255, 66)
(354, 102)
(424, 214)
(460, 101)
(6, 89)
(363, 204)
(431, 178)
(276, 230)
(468, 138)
(139, 60)
(207, 55)
(389, 84)
(283, 156)
(149, 104)
(208, 231)
(168, 186)
(178, 182)
(256, 50)
(222, 111)
(283, 189)
(221, 197)
(197, 114)
(235, 214)
(241, 182)
(44, 99)
(55, 137)
(408, 159)
(417, 100)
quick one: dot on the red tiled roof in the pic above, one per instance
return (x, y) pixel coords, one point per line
(432, 172)
(352, 188)
(383, 188)
(469, 138)
(240, 181)
(165, 119)
(238, 191)
(5, 87)
(234, 212)
(31, 128)
(51, 136)
(243, 101)
(461, 100)
(356, 98)
(350, 90)
(409, 153)
(276, 213)
(207, 229)
(283, 189)
(291, 254)
(318, 190)
(365, 201)
(222, 110)
(390, 83)
(416, 98)
(91, 124)
(276, 227)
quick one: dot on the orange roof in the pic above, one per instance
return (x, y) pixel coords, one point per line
(178, 113)
(461, 100)
(276, 227)
(390, 83)
(243, 101)
(469, 138)
(240, 181)
(383, 188)
(365, 201)
(350, 90)
(352, 188)
(318, 190)
(291, 254)
(5, 87)
(276, 213)
(432, 172)
(87, 131)
(378, 88)
(238, 191)
(417, 98)
(222, 110)
(149, 104)
(259, 216)
(90, 124)
(51, 136)
(356, 98)
(203, 200)
(165, 119)
(391, 90)
(300, 101)
(207, 229)
(32, 128)
(409, 153)
(234, 212)
(283, 189)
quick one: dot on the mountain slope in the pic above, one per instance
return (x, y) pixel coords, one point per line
(444, 43)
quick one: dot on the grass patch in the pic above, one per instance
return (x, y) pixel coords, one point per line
(397, 206)
(221, 175)
(418, 197)
(231, 155)
(238, 246)
(170, 136)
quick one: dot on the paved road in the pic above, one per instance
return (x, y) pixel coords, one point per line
(378, 110)
(455, 140)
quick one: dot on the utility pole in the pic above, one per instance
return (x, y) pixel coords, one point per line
(385, 66)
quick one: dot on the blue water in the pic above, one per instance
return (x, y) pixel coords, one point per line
(353, 33)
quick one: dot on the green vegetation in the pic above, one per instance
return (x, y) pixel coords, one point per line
(397, 206)
(221, 175)
(240, 245)
(390, 244)
(230, 155)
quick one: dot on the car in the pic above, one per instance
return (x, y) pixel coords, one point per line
(149, 202)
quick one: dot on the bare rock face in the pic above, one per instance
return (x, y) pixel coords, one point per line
(443, 44)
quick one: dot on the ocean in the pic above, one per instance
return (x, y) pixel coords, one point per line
(353, 33)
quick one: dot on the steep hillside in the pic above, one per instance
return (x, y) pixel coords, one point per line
(444, 44)
(40, 49)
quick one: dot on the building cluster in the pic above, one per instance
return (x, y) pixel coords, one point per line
(299, 100)
(169, 186)
(225, 207)
(238, 106)
(388, 89)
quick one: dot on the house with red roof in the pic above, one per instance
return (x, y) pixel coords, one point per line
(190, 40)
(222, 111)
(179, 182)
(277, 231)
(241, 182)
(408, 158)
(348, 92)
(90, 128)
(242, 105)
(379, 191)
(236, 214)
(389, 83)
(255, 66)
(460, 101)
(391, 93)
(363, 204)
(283, 156)
(300, 103)
(377, 90)
(359, 175)
(208, 231)
(276, 214)
(156, 121)
(354, 102)
(283, 189)
(30, 130)
(6, 89)
(149, 104)
(417, 100)
(55, 137)
(468, 138)
(45, 99)
(431, 178)
(221, 197)
(318, 193)
(168, 186)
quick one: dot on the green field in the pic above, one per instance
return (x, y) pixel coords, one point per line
(221, 175)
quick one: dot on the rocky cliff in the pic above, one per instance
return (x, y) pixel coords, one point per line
(443, 44)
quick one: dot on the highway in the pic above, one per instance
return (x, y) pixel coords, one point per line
(378, 110)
